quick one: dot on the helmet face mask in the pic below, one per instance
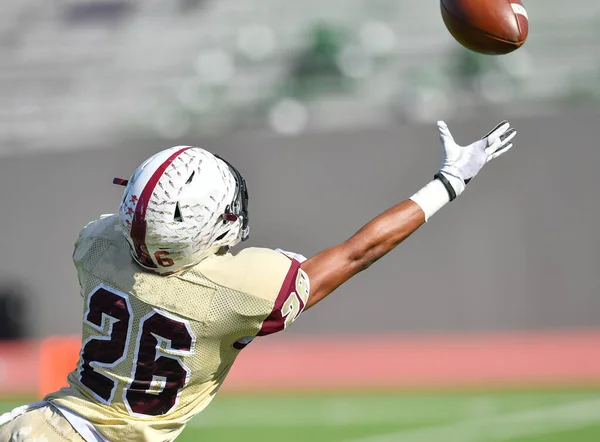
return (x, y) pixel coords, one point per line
(238, 209)
(182, 205)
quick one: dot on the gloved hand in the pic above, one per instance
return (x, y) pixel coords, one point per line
(461, 163)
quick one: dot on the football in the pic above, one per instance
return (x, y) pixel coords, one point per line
(491, 27)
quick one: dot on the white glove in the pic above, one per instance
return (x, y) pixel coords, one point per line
(461, 163)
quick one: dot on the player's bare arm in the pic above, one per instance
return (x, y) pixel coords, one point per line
(332, 267)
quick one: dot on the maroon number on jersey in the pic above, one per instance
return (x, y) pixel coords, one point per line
(100, 351)
(290, 302)
(140, 397)
(172, 373)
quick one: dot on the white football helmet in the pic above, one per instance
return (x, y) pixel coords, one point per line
(182, 205)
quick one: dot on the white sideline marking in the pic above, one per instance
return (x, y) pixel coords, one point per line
(344, 411)
(529, 422)
(340, 412)
(331, 415)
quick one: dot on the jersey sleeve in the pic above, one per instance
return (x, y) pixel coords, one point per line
(290, 301)
(96, 228)
(297, 256)
(87, 248)
(267, 289)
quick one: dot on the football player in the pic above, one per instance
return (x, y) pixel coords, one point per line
(167, 308)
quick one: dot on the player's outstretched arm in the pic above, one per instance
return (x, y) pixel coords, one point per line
(332, 267)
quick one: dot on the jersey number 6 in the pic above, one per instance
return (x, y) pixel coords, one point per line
(155, 382)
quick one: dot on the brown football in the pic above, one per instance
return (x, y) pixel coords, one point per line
(492, 27)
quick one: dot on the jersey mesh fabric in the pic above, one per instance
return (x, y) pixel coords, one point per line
(216, 317)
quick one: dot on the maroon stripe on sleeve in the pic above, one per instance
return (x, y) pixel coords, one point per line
(138, 224)
(275, 322)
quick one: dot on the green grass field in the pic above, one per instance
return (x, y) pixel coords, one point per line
(550, 416)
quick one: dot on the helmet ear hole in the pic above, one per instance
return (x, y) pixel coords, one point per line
(191, 177)
(178, 216)
(221, 236)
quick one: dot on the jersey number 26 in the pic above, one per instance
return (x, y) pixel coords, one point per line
(155, 383)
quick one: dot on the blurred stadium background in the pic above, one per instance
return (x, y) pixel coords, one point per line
(485, 325)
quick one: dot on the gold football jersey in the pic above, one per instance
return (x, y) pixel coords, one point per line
(156, 349)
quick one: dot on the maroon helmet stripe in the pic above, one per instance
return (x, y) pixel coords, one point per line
(138, 224)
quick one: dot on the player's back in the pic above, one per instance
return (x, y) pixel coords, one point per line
(157, 348)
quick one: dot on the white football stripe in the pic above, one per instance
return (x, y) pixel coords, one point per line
(519, 9)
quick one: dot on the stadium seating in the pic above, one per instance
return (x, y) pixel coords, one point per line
(74, 68)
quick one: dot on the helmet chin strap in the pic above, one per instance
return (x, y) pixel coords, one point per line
(245, 233)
